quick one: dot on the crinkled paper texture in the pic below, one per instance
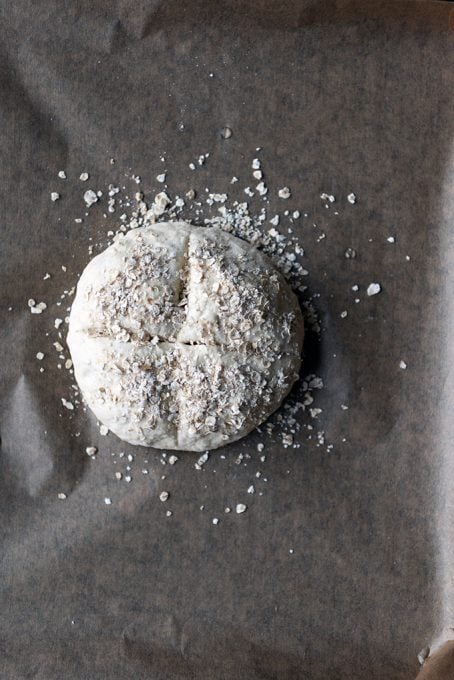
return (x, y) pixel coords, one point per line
(341, 96)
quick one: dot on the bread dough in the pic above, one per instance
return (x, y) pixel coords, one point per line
(183, 337)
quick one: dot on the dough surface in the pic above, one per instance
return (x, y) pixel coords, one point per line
(183, 337)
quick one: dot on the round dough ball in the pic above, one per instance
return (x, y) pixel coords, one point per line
(184, 337)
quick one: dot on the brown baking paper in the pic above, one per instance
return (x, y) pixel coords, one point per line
(341, 97)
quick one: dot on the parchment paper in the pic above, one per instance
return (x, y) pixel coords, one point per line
(341, 96)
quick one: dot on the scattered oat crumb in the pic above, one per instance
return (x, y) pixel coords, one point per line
(373, 289)
(344, 407)
(251, 489)
(67, 404)
(201, 461)
(161, 202)
(296, 214)
(46, 276)
(287, 440)
(103, 430)
(83, 176)
(234, 180)
(350, 253)
(161, 178)
(128, 478)
(256, 165)
(215, 520)
(37, 309)
(91, 450)
(391, 239)
(355, 287)
(61, 496)
(408, 258)
(262, 188)
(54, 196)
(343, 314)
(90, 197)
(227, 510)
(328, 197)
(163, 496)
(351, 198)
(241, 507)
(260, 447)
(62, 174)
(169, 513)
(284, 193)
(402, 364)
(40, 356)
(58, 347)
(118, 475)
(68, 364)
(31, 302)
(173, 459)
(226, 133)
(58, 323)
(108, 501)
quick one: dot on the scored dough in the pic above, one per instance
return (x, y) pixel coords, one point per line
(183, 337)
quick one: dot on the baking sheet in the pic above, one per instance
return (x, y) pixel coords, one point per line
(341, 97)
